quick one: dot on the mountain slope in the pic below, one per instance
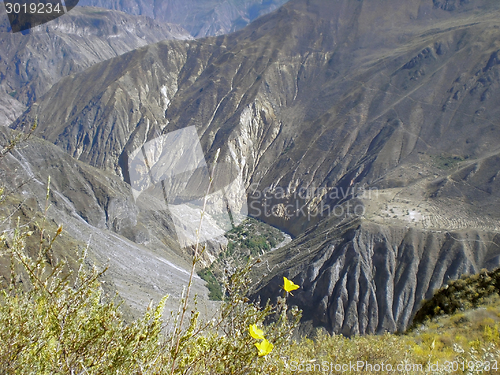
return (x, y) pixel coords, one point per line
(30, 64)
(96, 210)
(200, 18)
(317, 103)
(10, 109)
(370, 278)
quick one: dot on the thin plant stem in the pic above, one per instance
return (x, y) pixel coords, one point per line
(193, 267)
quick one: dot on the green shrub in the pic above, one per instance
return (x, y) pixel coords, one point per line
(49, 325)
(465, 293)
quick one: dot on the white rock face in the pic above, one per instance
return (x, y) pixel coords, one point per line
(204, 202)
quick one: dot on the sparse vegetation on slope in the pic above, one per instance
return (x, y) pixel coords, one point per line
(249, 240)
(49, 325)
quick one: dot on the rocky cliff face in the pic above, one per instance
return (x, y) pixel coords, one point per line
(371, 278)
(317, 104)
(200, 17)
(30, 64)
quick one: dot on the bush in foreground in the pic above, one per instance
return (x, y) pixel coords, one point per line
(49, 325)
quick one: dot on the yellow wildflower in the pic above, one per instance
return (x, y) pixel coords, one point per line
(255, 332)
(289, 285)
(264, 347)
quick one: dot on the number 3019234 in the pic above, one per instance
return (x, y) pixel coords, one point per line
(33, 8)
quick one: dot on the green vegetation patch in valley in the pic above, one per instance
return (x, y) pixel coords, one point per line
(251, 239)
(214, 288)
(447, 162)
